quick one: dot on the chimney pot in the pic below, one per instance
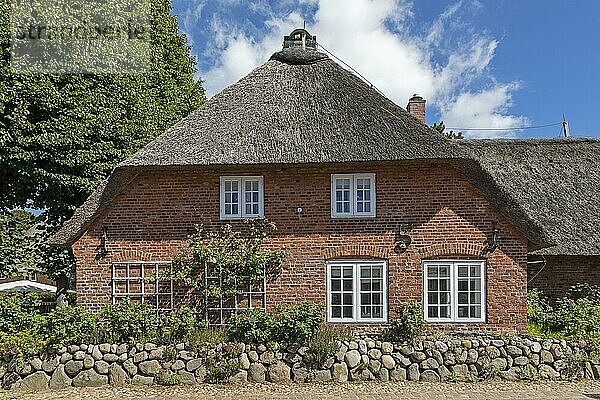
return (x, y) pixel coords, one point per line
(416, 107)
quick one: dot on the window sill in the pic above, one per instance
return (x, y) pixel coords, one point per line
(341, 216)
(353, 321)
(239, 217)
(461, 321)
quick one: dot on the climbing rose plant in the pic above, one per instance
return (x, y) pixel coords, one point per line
(240, 259)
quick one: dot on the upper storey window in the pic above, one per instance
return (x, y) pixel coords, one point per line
(352, 195)
(242, 197)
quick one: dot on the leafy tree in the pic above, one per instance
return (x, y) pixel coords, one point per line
(61, 134)
(441, 128)
(16, 253)
(23, 249)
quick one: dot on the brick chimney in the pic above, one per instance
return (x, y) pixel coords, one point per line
(416, 107)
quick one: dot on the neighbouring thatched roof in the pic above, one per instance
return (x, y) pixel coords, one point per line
(299, 107)
(557, 181)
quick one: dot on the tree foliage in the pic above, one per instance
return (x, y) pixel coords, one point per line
(61, 134)
(23, 247)
(441, 128)
(16, 250)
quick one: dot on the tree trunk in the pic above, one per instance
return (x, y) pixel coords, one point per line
(62, 286)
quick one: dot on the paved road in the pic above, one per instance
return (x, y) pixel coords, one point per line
(369, 391)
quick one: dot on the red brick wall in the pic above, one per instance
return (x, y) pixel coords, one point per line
(559, 273)
(445, 216)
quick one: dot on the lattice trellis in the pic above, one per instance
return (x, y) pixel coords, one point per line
(143, 282)
(218, 310)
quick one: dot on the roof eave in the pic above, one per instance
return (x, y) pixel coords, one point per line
(96, 203)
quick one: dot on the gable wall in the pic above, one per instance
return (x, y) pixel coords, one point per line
(444, 215)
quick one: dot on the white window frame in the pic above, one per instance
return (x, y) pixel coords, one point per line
(353, 213)
(356, 264)
(453, 264)
(242, 197)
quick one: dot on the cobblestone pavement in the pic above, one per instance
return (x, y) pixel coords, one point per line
(370, 391)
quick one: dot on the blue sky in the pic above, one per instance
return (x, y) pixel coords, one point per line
(486, 64)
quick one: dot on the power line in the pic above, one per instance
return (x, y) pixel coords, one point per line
(506, 129)
(453, 128)
(351, 68)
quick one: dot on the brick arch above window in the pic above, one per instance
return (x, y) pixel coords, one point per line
(358, 251)
(452, 250)
(132, 255)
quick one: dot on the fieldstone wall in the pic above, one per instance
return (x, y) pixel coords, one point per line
(448, 359)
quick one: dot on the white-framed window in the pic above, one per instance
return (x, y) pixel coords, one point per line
(454, 291)
(357, 291)
(143, 282)
(32, 276)
(242, 197)
(352, 195)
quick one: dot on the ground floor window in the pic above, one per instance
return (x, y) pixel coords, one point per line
(143, 282)
(454, 291)
(357, 291)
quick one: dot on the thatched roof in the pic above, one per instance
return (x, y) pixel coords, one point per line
(557, 181)
(299, 107)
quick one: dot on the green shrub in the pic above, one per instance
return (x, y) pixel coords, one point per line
(211, 335)
(251, 326)
(168, 378)
(19, 312)
(575, 316)
(537, 312)
(323, 344)
(170, 353)
(537, 306)
(127, 322)
(22, 345)
(177, 326)
(529, 373)
(585, 290)
(569, 318)
(297, 323)
(574, 366)
(70, 325)
(490, 371)
(20, 326)
(408, 324)
(221, 366)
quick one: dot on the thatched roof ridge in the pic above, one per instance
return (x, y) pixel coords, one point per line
(557, 182)
(298, 107)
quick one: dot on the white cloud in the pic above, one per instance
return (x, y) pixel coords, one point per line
(377, 38)
(484, 109)
(239, 54)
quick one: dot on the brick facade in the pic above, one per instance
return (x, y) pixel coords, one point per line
(445, 216)
(558, 273)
